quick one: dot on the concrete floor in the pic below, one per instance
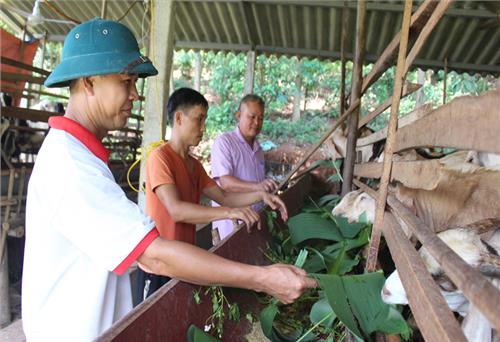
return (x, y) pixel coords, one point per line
(13, 332)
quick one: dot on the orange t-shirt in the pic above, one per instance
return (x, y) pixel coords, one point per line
(165, 166)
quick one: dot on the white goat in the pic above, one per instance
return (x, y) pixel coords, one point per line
(476, 252)
(354, 204)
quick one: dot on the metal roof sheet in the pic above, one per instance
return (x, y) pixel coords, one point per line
(468, 35)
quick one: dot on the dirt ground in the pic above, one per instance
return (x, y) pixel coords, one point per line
(256, 335)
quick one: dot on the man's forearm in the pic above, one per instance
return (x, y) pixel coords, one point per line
(195, 213)
(233, 184)
(192, 264)
(241, 199)
(189, 263)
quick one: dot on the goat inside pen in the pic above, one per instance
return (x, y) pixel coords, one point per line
(447, 126)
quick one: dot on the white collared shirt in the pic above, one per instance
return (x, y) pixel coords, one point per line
(82, 234)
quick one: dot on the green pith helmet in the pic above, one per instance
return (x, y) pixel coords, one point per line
(99, 47)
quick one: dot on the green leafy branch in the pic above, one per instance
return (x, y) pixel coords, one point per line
(219, 303)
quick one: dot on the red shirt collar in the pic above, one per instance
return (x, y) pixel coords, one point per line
(82, 134)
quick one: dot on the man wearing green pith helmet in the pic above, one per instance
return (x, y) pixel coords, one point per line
(82, 233)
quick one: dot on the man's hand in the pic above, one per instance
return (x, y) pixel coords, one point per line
(274, 202)
(267, 185)
(286, 282)
(246, 214)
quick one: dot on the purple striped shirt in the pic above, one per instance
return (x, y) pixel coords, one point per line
(233, 156)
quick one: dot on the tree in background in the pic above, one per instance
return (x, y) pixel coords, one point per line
(275, 80)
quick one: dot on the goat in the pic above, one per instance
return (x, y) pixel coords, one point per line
(483, 255)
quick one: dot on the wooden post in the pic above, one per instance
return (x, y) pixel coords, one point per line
(161, 53)
(250, 73)
(44, 46)
(4, 268)
(197, 71)
(298, 94)
(390, 142)
(345, 21)
(5, 316)
(357, 81)
(420, 96)
(21, 57)
(445, 79)
(171, 86)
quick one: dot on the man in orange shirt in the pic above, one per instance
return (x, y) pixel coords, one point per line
(175, 182)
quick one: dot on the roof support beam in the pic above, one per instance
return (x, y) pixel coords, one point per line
(371, 6)
(212, 46)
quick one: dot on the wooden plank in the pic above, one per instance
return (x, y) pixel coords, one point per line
(418, 113)
(371, 262)
(419, 174)
(470, 281)
(434, 319)
(130, 130)
(27, 129)
(20, 65)
(473, 284)
(35, 91)
(13, 77)
(28, 114)
(466, 123)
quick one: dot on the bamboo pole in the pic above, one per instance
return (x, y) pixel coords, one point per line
(418, 20)
(345, 21)
(426, 31)
(357, 82)
(390, 142)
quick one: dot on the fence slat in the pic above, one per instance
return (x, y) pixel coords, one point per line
(434, 318)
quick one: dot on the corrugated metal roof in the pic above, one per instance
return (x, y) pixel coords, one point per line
(468, 35)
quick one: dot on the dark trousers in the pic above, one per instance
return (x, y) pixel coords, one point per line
(147, 284)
